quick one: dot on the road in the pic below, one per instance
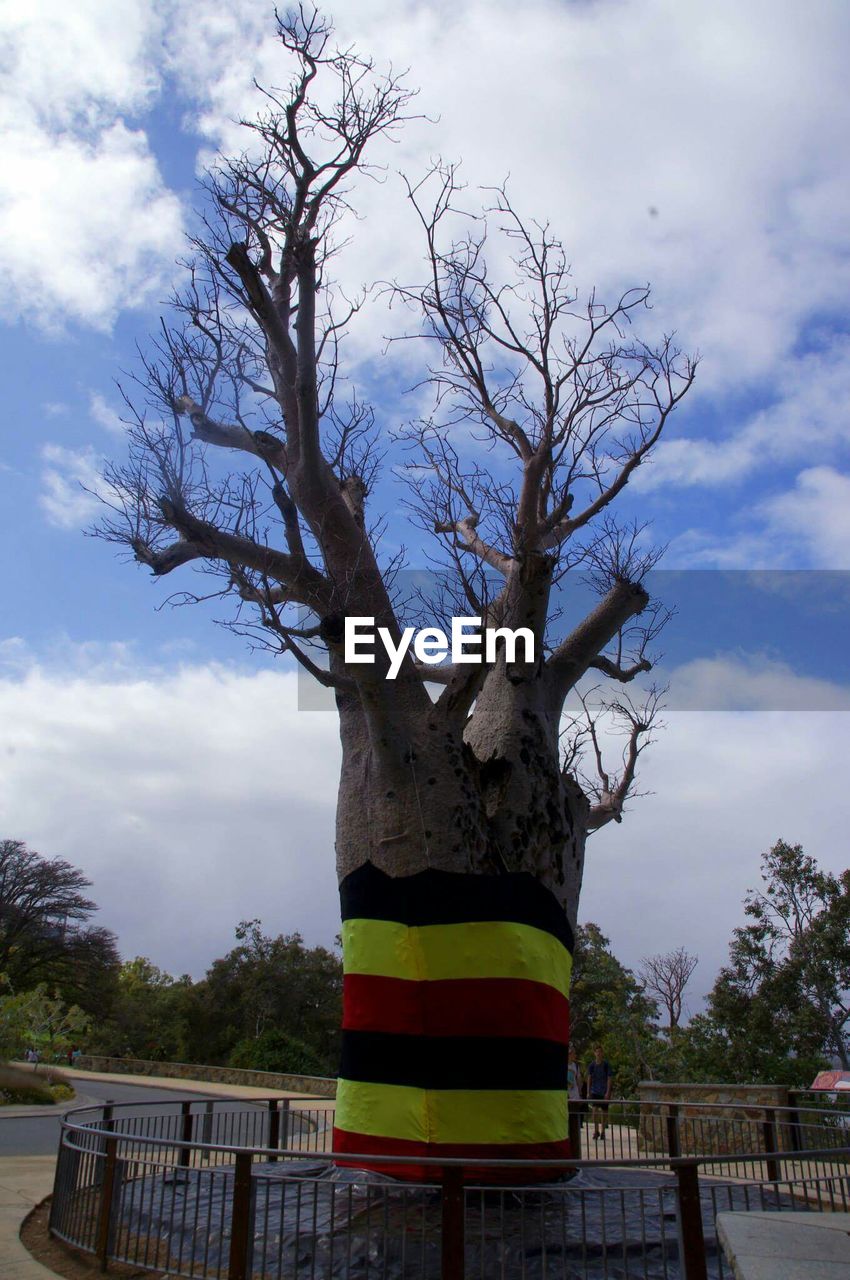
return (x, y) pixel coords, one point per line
(39, 1135)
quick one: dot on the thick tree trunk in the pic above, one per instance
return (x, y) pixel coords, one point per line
(460, 867)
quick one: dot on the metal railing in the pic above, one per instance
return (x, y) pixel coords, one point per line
(235, 1191)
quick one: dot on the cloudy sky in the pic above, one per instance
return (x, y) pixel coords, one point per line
(702, 148)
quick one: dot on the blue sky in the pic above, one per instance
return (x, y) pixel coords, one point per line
(701, 148)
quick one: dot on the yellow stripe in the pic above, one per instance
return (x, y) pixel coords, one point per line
(452, 1115)
(478, 949)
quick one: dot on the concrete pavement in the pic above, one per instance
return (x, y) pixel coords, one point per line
(24, 1182)
(169, 1082)
(786, 1246)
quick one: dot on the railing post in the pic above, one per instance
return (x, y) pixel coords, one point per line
(771, 1143)
(673, 1145)
(186, 1134)
(207, 1128)
(794, 1123)
(574, 1130)
(274, 1126)
(241, 1227)
(106, 1122)
(691, 1239)
(107, 1188)
(284, 1137)
(452, 1240)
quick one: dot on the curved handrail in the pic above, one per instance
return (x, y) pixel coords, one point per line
(654, 1108)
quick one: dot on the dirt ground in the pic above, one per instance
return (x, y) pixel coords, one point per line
(68, 1262)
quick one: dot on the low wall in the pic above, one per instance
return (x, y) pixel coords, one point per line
(734, 1120)
(317, 1086)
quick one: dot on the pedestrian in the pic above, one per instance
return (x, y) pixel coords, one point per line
(575, 1087)
(600, 1082)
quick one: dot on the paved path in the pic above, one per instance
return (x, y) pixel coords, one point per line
(24, 1182)
(29, 1138)
(786, 1246)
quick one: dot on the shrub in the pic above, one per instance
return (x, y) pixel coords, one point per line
(20, 1086)
(276, 1051)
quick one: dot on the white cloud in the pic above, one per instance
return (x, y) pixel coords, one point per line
(70, 480)
(806, 419)
(699, 549)
(751, 683)
(102, 412)
(804, 527)
(87, 225)
(14, 654)
(193, 799)
(199, 796)
(725, 786)
(74, 60)
(816, 512)
(727, 120)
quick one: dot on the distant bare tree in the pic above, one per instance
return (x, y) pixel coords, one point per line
(665, 977)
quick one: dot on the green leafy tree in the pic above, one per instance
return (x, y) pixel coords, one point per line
(45, 930)
(608, 1006)
(42, 1021)
(267, 983)
(781, 1006)
(274, 1050)
(147, 1014)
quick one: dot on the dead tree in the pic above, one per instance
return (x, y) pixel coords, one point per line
(459, 805)
(666, 976)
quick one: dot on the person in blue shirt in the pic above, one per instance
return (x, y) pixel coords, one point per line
(600, 1082)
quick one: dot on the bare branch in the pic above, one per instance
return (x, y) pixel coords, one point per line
(578, 650)
(466, 530)
(638, 724)
(623, 674)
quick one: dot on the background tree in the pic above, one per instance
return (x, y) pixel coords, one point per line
(38, 1020)
(799, 940)
(609, 1006)
(45, 930)
(665, 978)
(779, 1009)
(268, 987)
(545, 404)
(146, 1015)
(274, 1050)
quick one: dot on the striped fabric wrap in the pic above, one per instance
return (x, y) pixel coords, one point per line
(455, 1020)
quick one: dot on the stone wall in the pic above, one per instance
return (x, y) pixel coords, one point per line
(315, 1086)
(713, 1119)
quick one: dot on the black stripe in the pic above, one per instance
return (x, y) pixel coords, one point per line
(453, 1062)
(449, 897)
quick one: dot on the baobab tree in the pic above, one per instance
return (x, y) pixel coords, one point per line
(464, 803)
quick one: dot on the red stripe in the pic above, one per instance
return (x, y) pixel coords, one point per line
(362, 1144)
(455, 1007)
